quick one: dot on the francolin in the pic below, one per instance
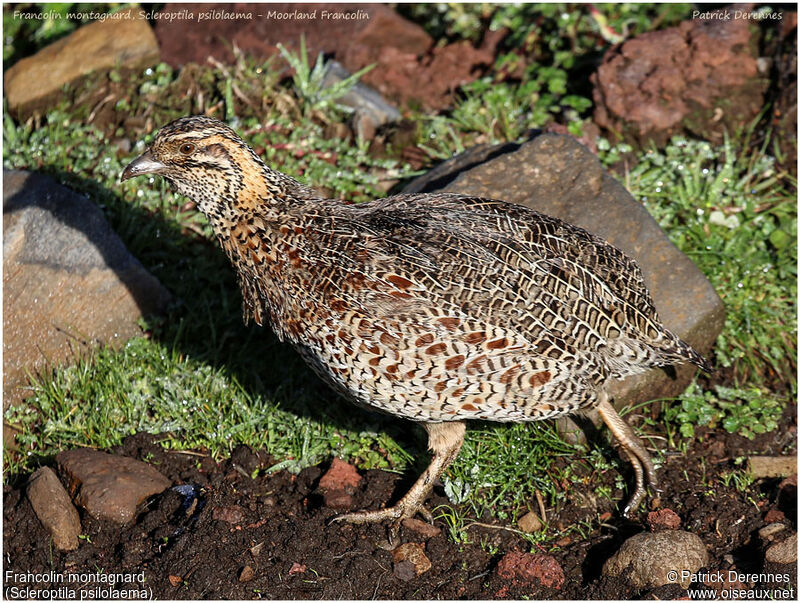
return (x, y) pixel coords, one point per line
(437, 308)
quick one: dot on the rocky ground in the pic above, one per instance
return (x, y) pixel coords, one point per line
(216, 532)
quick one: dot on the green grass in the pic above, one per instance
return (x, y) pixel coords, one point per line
(204, 381)
(731, 211)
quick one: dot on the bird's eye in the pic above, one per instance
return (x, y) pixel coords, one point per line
(187, 148)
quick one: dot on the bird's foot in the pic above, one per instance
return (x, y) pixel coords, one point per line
(630, 445)
(404, 509)
(445, 440)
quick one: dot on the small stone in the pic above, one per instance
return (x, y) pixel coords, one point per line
(656, 559)
(110, 487)
(297, 568)
(531, 569)
(338, 500)
(232, 514)
(774, 516)
(55, 510)
(768, 532)
(664, 519)
(413, 553)
(529, 523)
(341, 476)
(405, 571)
(338, 485)
(772, 466)
(255, 550)
(421, 527)
(246, 574)
(175, 580)
(784, 552)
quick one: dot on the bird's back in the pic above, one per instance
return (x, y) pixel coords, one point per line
(444, 307)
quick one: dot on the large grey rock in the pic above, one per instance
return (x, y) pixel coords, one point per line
(69, 283)
(124, 40)
(656, 559)
(54, 509)
(108, 486)
(556, 175)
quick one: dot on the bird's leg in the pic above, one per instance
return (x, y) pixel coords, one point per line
(445, 440)
(633, 449)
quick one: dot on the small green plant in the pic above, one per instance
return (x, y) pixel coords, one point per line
(491, 549)
(746, 411)
(309, 82)
(454, 522)
(604, 492)
(739, 478)
(529, 450)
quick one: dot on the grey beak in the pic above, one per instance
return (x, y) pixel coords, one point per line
(144, 164)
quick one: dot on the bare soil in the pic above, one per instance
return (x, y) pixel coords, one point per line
(227, 536)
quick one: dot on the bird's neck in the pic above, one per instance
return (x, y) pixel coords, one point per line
(250, 189)
(253, 222)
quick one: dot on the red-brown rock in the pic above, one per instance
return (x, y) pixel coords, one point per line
(297, 568)
(408, 67)
(257, 29)
(700, 77)
(53, 507)
(338, 484)
(528, 568)
(431, 79)
(109, 486)
(341, 476)
(774, 516)
(421, 527)
(664, 519)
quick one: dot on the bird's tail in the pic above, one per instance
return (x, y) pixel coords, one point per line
(675, 350)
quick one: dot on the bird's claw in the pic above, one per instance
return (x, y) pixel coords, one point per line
(396, 514)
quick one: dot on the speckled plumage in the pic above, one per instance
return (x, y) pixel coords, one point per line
(432, 307)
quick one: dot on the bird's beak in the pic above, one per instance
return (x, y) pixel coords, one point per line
(144, 164)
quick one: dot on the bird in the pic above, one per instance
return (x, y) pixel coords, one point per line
(438, 308)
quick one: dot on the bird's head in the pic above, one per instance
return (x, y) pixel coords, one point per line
(208, 162)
